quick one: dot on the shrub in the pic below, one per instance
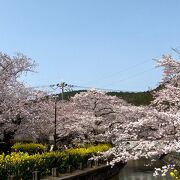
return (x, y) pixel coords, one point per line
(30, 148)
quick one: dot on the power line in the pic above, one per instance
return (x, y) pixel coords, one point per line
(124, 70)
(70, 86)
(131, 77)
(65, 87)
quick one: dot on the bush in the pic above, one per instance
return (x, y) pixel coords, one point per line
(30, 148)
(22, 164)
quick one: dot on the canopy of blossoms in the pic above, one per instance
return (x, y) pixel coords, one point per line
(93, 116)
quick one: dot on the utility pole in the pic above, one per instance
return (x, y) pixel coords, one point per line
(55, 121)
(62, 85)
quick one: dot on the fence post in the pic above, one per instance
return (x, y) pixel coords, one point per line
(80, 165)
(36, 175)
(54, 172)
(69, 169)
(96, 162)
(90, 163)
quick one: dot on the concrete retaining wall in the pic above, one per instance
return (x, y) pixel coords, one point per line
(101, 172)
(98, 173)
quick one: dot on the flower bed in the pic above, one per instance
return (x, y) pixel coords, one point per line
(22, 164)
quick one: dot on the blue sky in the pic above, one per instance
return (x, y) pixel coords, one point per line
(95, 43)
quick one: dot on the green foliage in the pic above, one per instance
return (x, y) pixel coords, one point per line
(134, 98)
(30, 148)
(22, 164)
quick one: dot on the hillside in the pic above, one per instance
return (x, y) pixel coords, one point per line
(135, 98)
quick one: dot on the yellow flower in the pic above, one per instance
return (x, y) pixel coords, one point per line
(172, 174)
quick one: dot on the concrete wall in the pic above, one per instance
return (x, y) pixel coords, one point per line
(97, 173)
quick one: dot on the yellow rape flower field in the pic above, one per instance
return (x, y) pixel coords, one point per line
(22, 164)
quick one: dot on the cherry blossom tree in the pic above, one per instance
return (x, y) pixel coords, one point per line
(168, 97)
(154, 130)
(145, 133)
(100, 109)
(75, 124)
(13, 94)
(22, 110)
(80, 119)
(38, 119)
